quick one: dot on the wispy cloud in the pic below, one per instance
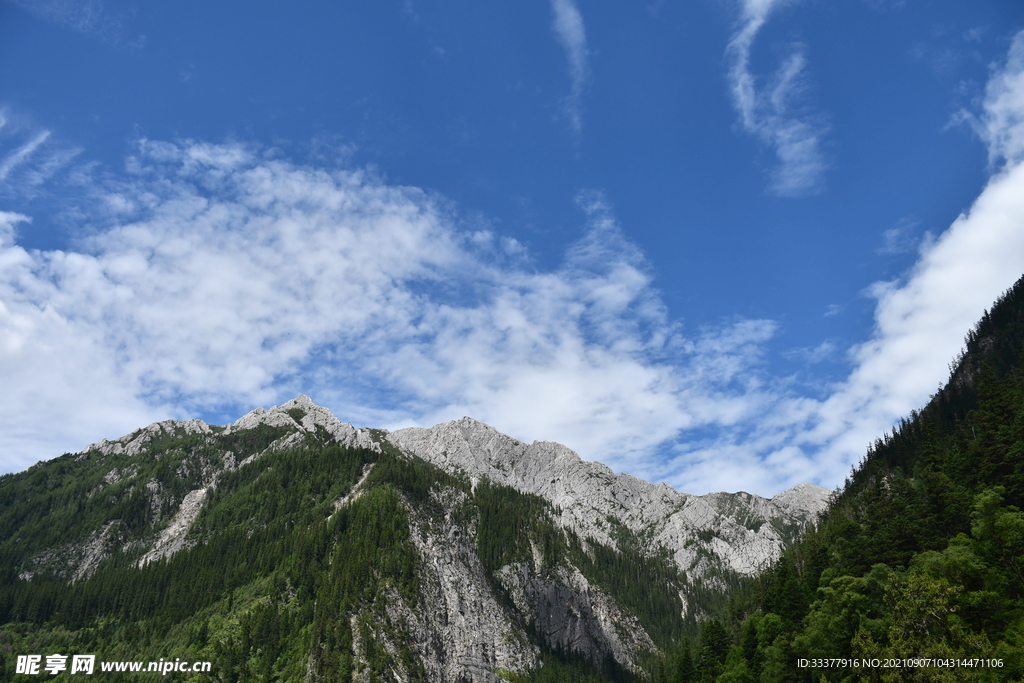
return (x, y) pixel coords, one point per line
(900, 238)
(28, 156)
(772, 113)
(568, 28)
(817, 354)
(89, 17)
(18, 156)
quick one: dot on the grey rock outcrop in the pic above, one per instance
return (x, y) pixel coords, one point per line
(738, 531)
(308, 416)
(461, 629)
(172, 538)
(136, 442)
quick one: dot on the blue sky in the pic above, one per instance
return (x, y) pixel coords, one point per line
(723, 244)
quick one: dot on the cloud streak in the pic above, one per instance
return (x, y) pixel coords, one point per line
(18, 156)
(88, 17)
(771, 113)
(28, 156)
(569, 30)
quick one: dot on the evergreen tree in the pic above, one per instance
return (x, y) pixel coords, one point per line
(685, 671)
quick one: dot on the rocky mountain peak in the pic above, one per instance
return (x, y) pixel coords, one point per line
(739, 531)
(301, 412)
(742, 531)
(803, 497)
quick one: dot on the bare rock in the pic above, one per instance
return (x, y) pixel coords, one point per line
(172, 538)
(741, 531)
(301, 412)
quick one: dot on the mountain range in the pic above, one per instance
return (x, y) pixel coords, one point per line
(497, 559)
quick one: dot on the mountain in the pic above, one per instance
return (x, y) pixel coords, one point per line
(292, 546)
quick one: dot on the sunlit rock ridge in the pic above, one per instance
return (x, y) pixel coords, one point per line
(742, 531)
(738, 532)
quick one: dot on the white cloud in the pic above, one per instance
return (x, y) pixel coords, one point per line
(1002, 124)
(224, 279)
(771, 113)
(60, 383)
(568, 28)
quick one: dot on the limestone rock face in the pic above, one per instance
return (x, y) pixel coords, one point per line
(308, 416)
(738, 531)
(172, 538)
(134, 443)
(461, 627)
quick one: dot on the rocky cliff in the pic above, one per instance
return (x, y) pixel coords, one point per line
(737, 531)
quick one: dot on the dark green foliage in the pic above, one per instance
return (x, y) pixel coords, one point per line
(277, 582)
(685, 671)
(713, 646)
(511, 524)
(922, 553)
(265, 528)
(251, 441)
(562, 667)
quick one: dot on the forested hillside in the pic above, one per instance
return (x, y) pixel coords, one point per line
(303, 560)
(918, 564)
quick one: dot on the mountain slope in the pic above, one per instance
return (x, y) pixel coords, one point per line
(291, 546)
(918, 561)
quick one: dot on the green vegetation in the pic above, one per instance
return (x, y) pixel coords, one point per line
(921, 554)
(276, 581)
